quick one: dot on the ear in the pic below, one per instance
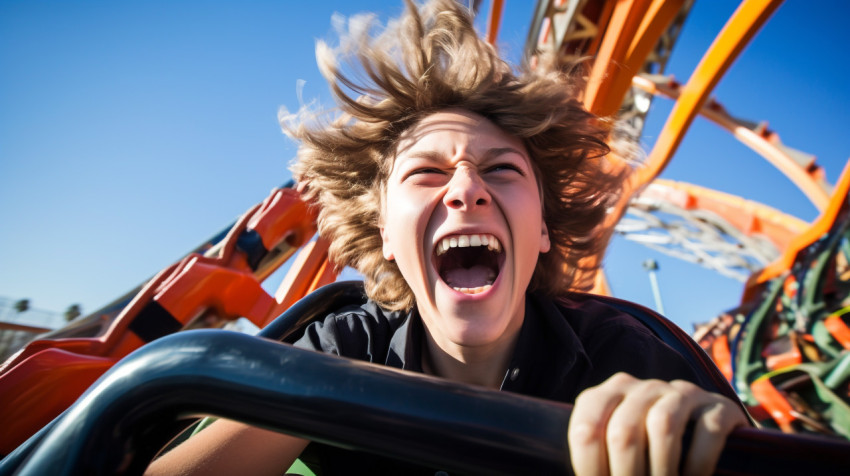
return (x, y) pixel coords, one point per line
(388, 253)
(545, 245)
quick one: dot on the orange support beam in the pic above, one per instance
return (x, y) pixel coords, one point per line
(737, 32)
(775, 403)
(48, 375)
(602, 24)
(803, 240)
(838, 330)
(310, 271)
(494, 19)
(618, 40)
(658, 18)
(44, 385)
(609, 94)
(200, 284)
(808, 177)
(722, 356)
(748, 217)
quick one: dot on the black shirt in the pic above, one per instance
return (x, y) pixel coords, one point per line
(563, 348)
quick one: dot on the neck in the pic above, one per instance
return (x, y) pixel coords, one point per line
(485, 366)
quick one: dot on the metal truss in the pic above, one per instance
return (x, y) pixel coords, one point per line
(573, 29)
(697, 236)
(632, 115)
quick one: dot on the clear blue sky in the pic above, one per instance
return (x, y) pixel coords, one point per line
(132, 131)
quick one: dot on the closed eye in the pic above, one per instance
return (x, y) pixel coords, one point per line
(423, 171)
(502, 167)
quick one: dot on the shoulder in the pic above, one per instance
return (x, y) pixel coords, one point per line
(595, 318)
(617, 341)
(357, 332)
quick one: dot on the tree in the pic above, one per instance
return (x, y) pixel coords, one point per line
(73, 312)
(23, 305)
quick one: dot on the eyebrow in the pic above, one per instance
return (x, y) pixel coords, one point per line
(497, 151)
(488, 154)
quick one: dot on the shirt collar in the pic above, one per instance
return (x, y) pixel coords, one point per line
(405, 350)
(546, 351)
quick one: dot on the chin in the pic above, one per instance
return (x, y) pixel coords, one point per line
(477, 330)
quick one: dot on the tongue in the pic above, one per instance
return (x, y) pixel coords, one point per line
(472, 277)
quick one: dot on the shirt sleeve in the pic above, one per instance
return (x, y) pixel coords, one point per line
(360, 333)
(321, 336)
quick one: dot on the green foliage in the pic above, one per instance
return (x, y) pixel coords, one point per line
(23, 305)
(73, 312)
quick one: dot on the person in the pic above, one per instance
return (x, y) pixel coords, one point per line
(468, 195)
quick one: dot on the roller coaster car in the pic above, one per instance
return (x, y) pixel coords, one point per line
(121, 423)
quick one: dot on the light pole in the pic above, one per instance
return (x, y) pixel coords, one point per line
(651, 266)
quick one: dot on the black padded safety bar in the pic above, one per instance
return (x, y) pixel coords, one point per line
(121, 422)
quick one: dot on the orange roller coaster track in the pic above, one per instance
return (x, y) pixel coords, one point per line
(723, 232)
(798, 166)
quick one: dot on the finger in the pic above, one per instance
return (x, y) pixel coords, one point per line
(716, 419)
(665, 426)
(586, 432)
(627, 430)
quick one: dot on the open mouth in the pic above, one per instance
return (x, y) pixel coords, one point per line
(469, 264)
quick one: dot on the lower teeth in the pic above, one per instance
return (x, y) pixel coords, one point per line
(477, 290)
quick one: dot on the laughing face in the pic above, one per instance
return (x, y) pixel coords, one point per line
(462, 218)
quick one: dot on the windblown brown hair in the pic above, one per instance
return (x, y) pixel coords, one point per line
(433, 59)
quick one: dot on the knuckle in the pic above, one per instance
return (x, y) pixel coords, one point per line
(686, 388)
(721, 417)
(716, 419)
(675, 401)
(661, 420)
(584, 433)
(620, 379)
(587, 396)
(652, 386)
(623, 436)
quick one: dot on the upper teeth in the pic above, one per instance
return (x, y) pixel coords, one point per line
(465, 241)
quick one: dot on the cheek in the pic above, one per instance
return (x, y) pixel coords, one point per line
(528, 217)
(401, 210)
(406, 216)
(525, 202)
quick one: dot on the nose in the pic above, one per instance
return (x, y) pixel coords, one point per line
(466, 191)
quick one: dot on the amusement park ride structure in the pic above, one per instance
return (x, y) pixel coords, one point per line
(791, 372)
